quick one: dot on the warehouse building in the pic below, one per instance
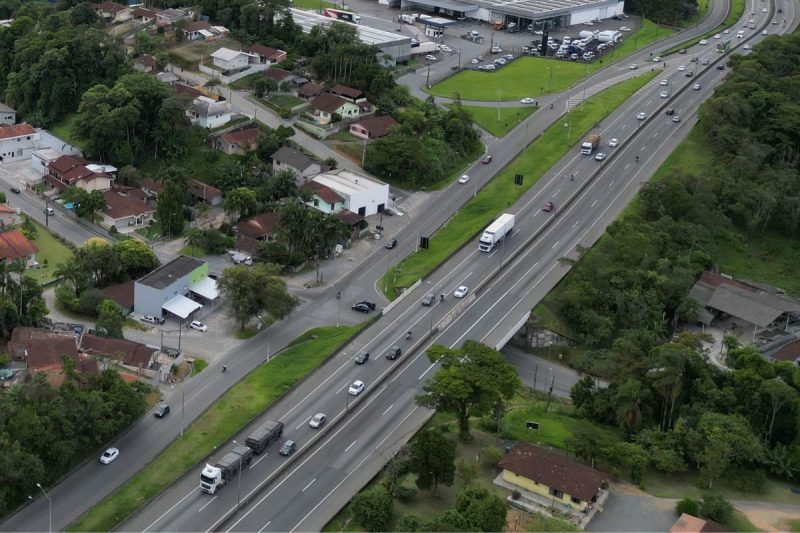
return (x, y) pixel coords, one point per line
(176, 289)
(396, 46)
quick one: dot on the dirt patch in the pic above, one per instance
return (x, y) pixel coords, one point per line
(768, 519)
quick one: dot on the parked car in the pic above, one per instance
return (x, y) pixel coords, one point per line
(391, 243)
(463, 179)
(361, 308)
(356, 388)
(109, 455)
(288, 448)
(393, 353)
(162, 410)
(318, 420)
(50, 211)
(15, 190)
(152, 319)
(461, 291)
(548, 206)
(199, 326)
(362, 358)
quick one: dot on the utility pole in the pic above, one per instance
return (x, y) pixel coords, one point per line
(50, 507)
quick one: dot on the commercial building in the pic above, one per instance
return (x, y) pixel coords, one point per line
(17, 141)
(176, 289)
(362, 195)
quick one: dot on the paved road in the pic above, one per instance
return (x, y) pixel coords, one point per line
(539, 373)
(90, 483)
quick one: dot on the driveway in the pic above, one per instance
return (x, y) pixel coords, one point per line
(630, 509)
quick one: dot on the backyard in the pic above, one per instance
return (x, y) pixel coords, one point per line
(51, 253)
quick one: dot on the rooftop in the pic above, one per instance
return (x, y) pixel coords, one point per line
(196, 25)
(330, 103)
(122, 203)
(310, 89)
(367, 35)
(246, 137)
(687, 523)
(204, 107)
(346, 181)
(267, 51)
(111, 7)
(377, 126)
(132, 353)
(535, 7)
(165, 275)
(5, 109)
(349, 92)
(8, 131)
(226, 54)
(14, 245)
(203, 191)
(293, 158)
(323, 191)
(122, 293)
(277, 74)
(41, 349)
(259, 226)
(554, 470)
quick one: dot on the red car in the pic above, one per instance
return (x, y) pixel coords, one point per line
(548, 207)
(487, 160)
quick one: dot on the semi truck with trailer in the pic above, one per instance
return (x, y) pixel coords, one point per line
(590, 143)
(215, 477)
(496, 232)
(338, 14)
(264, 435)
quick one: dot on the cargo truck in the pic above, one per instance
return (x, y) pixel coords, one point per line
(424, 48)
(589, 144)
(339, 14)
(496, 232)
(264, 435)
(215, 477)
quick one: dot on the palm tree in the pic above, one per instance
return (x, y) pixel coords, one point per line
(195, 238)
(669, 371)
(631, 405)
(74, 274)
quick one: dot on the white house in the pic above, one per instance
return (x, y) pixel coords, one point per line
(209, 114)
(40, 159)
(7, 115)
(362, 195)
(17, 142)
(228, 59)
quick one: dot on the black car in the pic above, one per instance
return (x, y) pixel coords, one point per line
(720, 67)
(428, 299)
(361, 308)
(15, 190)
(388, 212)
(670, 111)
(689, 74)
(393, 353)
(362, 358)
(162, 410)
(369, 304)
(391, 243)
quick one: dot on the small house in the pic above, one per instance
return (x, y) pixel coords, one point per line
(238, 142)
(203, 192)
(113, 12)
(126, 207)
(267, 54)
(327, 106)
(372, 127)
(7, 115)
(323, 198)
(69, 170)
(15, 246)
(287, 158)
(254, 230)
(228, 59)
(208, 114)
(17, 141)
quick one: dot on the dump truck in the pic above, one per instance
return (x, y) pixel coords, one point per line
(215, 477)
(496, 232)
(264, 435)
(589, 144)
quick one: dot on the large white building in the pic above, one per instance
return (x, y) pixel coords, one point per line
(17, 142)
(362, 195)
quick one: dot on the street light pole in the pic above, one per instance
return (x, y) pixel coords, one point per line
(49, 506)
(239, 484)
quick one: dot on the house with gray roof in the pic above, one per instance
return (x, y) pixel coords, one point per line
(7, 115)
(303, 166)
(208, 114)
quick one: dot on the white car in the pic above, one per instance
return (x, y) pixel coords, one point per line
(613, 143)
(664, 82)
(430, 57)
(474, 61)
(600, 156)
(463, 179)
(445, 48)
(718, 36)
(664, 94)
(703, 42)
(109, 455)
(634, 66)
(764, 10)
(682, 68)
(461, 291)
(657, 59)
(726, 32)
(765, 32)
(199, 326)
(527, 100)
(746, 47)
(318, 420)
(624, 28)
(696, 87)
(356, 388)
(641, 116)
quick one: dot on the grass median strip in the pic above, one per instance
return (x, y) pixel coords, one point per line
(735, 13)
(501, 192)
(233, 411)
(534, 76)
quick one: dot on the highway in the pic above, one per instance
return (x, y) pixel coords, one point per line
(308, 493)
(143, 441)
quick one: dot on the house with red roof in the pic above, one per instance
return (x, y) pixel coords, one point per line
(203, 192)
(267, 54)
(17, 142)
(323, 198)
(8, 216)
(372, 127)
(145, 63)
(113, 12)
(126, 209)
(259, 228)
(144, 15)
(14, 245)
(130, 353)
(69, 170)
(238, 142)
(202, 30)
(44, 351)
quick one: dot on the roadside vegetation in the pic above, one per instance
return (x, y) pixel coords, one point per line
(498, 123)
(235, 409)
(735, 13)
(501, 192)
(513, 81)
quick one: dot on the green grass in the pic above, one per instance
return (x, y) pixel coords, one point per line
(244, 334)
(151, 232)
(246, 82)
(739, 522)
(51, 253)
(199, 365)
(192, 251)
(232, 123)
(793, 525)
(509, 117)
(285, 100)
(63, 130)
(352, 150)
(682, 485)
(501, 192)
(228, 415)
(513, 81)
(316, 5)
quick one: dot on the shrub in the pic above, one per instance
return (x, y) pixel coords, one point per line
(715, 507)
(285, 112)
(688, 506)
(373, 508)
(66, 296)
(405, 494)
(88, 302)
(750, 481)
(491, 455)
(516, 495)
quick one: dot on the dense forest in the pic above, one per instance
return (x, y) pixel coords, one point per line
(627, 299)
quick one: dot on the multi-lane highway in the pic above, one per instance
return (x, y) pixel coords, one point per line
(326, 478)
(307, 494)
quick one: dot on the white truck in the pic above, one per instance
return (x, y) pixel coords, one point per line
(609, 36)
(215, 477)
(589, 144)
(408, 18)
(239, 258)
(426, 47)
(496, 232)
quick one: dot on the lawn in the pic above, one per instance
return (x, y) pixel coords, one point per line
(501, 192)
(63, 130)
(51, 253)
(516, 80)
(246, 82)
(499, 121)
(195, 51)
(287, 101)
(237, 407)
(316, 5)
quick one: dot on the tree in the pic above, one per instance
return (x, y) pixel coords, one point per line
(85, 203)
(688, 506)
(777, 395)
(135, 258)
(240, 202)
(471, 380)
(29, 228)
(482, 510)
(715, 507)
(74, 274)
(170, 208)
(725, 440)
(194, 238)
(251, 291)
(433, 459)
(632, 406)
(373, 508)
(110, 318)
